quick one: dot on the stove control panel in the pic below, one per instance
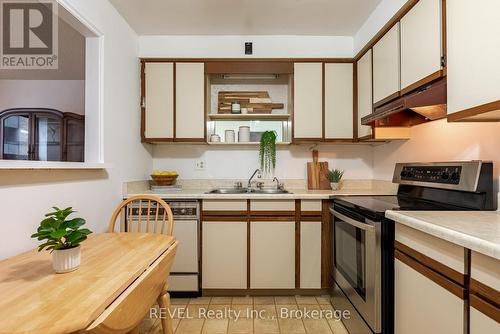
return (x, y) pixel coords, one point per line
(434, 174)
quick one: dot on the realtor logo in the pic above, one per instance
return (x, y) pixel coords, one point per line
(29, 33)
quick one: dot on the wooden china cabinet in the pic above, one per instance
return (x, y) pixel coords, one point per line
(41, 134)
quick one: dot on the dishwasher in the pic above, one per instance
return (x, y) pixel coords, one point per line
(184, 279)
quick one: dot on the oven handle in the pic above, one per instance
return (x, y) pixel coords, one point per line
(362, 226)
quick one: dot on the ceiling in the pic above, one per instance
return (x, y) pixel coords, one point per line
(246, 17)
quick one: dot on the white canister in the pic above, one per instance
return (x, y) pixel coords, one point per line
(244, 134)
(236, 108)
(229, 136)
(244, 110)
(214, 138)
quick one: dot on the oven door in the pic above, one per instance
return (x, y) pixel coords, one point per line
(357, 263)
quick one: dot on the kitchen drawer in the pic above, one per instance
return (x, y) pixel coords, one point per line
(224, 205)
(437, 249)
(310, 205)
(272, 205)
(485, 270)
(183, 283)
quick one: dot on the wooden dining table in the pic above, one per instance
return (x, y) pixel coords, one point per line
(34, 299)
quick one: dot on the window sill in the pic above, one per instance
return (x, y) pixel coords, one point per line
(13, 164)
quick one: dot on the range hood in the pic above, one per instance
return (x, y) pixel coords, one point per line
(427, 103)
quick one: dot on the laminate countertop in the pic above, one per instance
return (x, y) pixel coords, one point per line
(197, 189)
(293, 194)
(476, 230)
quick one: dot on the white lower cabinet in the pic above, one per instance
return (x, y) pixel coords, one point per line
(310, 255)
(272, 255)
(224, 255)
(482, 324)
(422, 306)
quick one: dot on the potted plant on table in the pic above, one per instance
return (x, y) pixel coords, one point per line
(335, 176)
(267, 152)
(62, 237)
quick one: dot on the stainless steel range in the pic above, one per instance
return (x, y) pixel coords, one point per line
(363, 251)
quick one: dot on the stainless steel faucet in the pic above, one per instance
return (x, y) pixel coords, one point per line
(258, 172)
(279, 185)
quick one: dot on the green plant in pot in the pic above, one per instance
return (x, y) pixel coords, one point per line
(267, 152)
(62, 237)
(335, 176)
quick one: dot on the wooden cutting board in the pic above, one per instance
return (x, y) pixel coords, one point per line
(257, 102)
(317, 174)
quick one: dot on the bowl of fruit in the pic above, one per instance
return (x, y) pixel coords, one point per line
(164, 178)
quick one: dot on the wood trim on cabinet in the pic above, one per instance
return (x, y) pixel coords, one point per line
(306, 140)
(270, 213)
(190, 140)
(143, 99)
(297, 242)
(290, 219)
(236, 219)
(388, 26)
(323, 101)
(249, 240)
(461, 116)
(246, 60)
(326, 246)
(434, 265)
(485, 292)
(224, 213)
(434, 276)
(428, 79)
(310, 213)
(485, 307)
(175, 100)
(248, 67)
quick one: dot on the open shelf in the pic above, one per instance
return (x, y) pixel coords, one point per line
(246, 117)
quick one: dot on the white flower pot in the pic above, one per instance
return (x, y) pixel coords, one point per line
(335, 185)
(66, 260)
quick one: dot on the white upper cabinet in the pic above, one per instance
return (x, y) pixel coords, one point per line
(339, 101)
(364, 83)
(159, 100)
(308, 101)
(421, 47)
(386, 65)
(190, 101)
(473, 58)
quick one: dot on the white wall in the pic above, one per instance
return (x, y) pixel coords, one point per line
(441, 141)
(233, 46)
(227, 163)
(62, 95)
(26, 195)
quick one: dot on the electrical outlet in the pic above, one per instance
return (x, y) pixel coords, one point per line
(200, 165)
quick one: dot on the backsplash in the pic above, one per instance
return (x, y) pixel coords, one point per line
(240, 162)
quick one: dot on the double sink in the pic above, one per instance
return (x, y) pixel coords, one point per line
(248, 191)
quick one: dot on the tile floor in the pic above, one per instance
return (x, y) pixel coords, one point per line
(250, 315)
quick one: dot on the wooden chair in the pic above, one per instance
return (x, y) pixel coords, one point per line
(143, 210)
(137, 214)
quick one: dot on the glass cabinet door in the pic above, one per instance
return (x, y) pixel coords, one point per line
(75, 140)
(15, 133)
(48, 138)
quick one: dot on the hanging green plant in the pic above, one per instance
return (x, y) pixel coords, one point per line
(267, 152)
